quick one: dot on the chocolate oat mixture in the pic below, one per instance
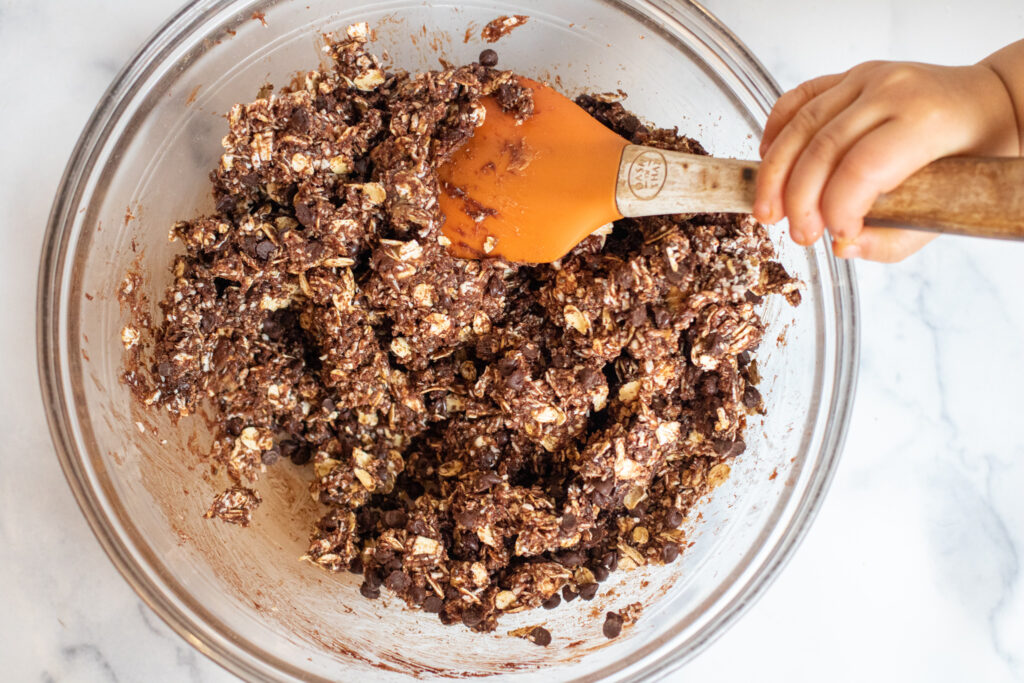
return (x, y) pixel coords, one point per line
(485, 437)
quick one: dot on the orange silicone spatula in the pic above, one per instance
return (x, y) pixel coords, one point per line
(531, 191)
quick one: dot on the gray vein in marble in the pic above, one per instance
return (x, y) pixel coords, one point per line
(90, 654)
(1000, 543)
(1011, 581)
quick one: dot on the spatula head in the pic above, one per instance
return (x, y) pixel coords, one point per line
(530, 191)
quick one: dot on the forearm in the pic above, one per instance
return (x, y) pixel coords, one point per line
(1008, 65)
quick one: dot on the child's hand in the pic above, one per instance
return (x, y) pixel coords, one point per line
(833, 144)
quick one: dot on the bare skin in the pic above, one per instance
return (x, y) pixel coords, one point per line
(834, 143)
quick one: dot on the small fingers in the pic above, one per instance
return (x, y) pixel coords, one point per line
(791, 102)
(815, 165)
(876, 163)
(787, 146)
(884, 245)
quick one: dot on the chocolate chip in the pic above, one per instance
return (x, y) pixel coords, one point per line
(265, 249)
(604, 486)
(432, 604)
(466, 518)
(568, 594)
(222, 354)
(488, 58)
(612, 625)
(489, 479)
(288, 448)
(588, 591)
(570, 558)
(305, 215)
(325, 103)
(488, 458)
(516, 379)
(568, 524)
(472, 616)
(752, 397)
(225, 204)
(560, 358)
(269, 457)
(234, 426)
(398, 581)
(552, 602)
(367, 518)
(610, 560)
(638, 316)
(600, 574)
(540, 636)
(506, 366)
(417, 594)
(302, 455)
(661, 317)
(250, 181)
(369, 591)
(372, 579)
(356, 565)
(673, 518)
(729, 449)
(165, 369)
(299, 120)
(669, 553)
(273, 329)
(753, 298)
(395, 519)
(248, 245)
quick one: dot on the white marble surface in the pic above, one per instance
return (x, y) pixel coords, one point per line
(913, 568)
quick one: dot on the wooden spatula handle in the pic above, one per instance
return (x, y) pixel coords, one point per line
(971, 196)
(652, 182)
(981, 197)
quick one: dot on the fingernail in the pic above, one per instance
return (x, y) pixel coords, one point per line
(798, 236)
(847, 249)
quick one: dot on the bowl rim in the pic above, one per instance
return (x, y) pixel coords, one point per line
(53, 370)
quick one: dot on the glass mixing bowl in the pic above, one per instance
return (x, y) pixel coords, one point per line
(240, 595)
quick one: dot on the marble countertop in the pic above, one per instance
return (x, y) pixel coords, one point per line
(913, 569)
